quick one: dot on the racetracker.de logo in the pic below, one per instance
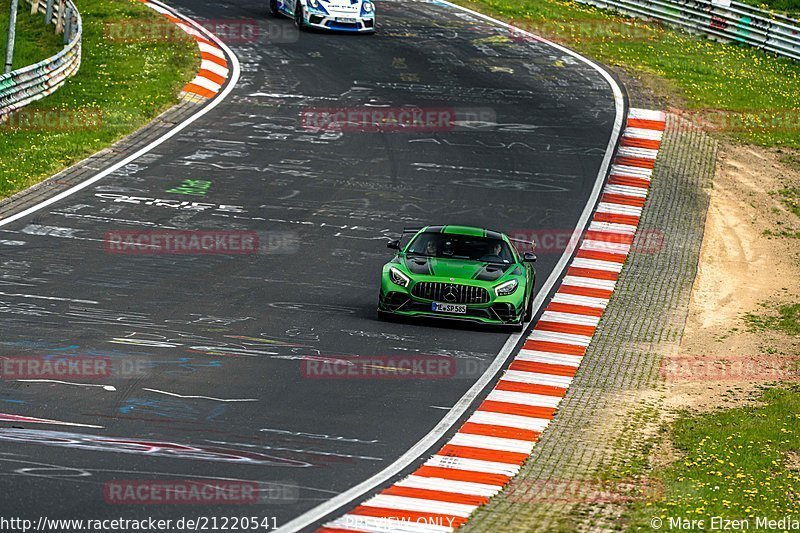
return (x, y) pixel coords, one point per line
(56, 120)
(375, 119)
(556, 241)
(617, 29)
(154, 242)
(40, 367)
(379, 367)
(232, 31)
(687, 369)
(181, 492)
(585, 491)
(73, 367)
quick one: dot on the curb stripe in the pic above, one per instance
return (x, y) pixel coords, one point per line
(491, 430)
(532, 424)
(554, 347)
(462, 475)
(524, 398)
(633, 220)
(488, 467)
(550, 358)
(483, 454)
(641, 133)
(601, 256)
(644, 124)
(451, 497)
(448, 485)
(629, 181)
(209, 79)
(540, 368)
(651, 144)
(544, 390)
(517, 409)
(490, 447)
(623, 199)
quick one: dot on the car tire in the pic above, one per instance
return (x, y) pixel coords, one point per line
(528, 310)
(273, 8)
(298, 17)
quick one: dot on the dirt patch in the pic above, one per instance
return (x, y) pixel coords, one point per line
(742, 268)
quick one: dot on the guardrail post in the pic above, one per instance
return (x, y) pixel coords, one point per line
(67, 24)
(12, 34)
(48, 14)
(60, 17)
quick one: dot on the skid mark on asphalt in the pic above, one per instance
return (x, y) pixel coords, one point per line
(201, 397)
(109, 388)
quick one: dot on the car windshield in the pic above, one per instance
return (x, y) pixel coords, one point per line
(465, 247)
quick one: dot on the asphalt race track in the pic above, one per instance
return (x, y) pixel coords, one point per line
(219, 345)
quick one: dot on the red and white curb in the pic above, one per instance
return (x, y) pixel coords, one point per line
(491, 446)
(214, 68)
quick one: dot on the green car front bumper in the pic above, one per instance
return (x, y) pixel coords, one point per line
(504, 310)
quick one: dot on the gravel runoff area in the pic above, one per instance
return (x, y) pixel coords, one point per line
(588, 462)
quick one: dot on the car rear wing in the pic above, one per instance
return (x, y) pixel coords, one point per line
(531, 243)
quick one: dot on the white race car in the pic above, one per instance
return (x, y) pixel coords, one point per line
(340, 15)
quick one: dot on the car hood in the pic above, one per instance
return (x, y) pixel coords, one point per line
(458, 270)
(342, 6)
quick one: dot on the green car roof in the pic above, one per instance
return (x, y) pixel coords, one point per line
(471, 231)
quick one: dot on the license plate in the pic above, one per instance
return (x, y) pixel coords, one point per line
(346, 20)
(449, 308)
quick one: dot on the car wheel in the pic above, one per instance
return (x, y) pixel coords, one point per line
(529, 310)
(298, 16)
(273, 7)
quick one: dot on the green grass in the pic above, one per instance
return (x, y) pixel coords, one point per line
(787, 7)
(735, 463)
(125, 84)
(34, 41)
(787, 320)
(791, 197)
(742, 91)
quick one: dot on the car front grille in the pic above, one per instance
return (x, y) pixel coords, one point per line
(452, 293)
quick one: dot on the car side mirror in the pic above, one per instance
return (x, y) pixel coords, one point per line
(529, 257)
(394, 245)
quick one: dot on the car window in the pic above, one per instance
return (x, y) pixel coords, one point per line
(463, 247)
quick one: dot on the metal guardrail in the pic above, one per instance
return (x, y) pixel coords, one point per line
(21, 87)
(720, 19)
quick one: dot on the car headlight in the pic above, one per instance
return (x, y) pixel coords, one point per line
(314, 4)
(398, 278)
(368, 7)
(504, 289)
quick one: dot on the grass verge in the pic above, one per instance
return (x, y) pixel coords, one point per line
(121, 86)
(791, 198)
(739, 90)
(786, 320)
(787, 7)
(736, 464)
(35, 40)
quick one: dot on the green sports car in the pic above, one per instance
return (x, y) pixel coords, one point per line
(459, 273)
